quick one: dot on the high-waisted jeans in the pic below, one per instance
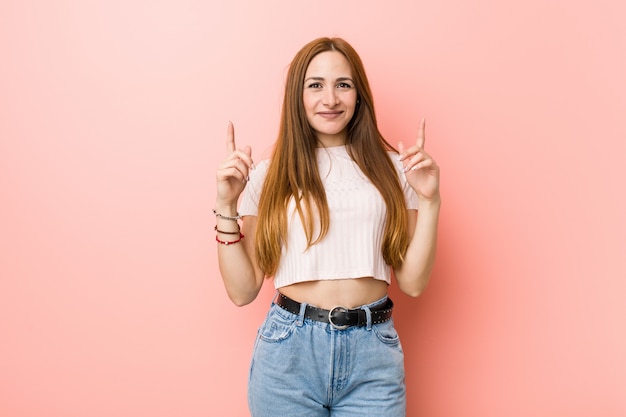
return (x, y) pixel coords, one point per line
(305, 368)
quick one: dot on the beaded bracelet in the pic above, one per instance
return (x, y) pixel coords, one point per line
(226, 233)
(226, 242)
(221, 216)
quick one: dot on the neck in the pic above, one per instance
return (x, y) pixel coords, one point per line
(330, 141)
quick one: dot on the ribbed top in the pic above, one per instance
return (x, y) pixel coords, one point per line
(352, 247)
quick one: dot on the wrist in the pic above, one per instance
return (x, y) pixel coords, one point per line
(433, 202)
(225, 209)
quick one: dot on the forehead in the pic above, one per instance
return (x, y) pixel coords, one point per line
(329, 64)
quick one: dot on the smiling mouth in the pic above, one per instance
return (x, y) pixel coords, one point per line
(330, 114)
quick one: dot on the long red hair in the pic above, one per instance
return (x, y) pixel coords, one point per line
(293, 171)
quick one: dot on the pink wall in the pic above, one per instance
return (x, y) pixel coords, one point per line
(112, 121)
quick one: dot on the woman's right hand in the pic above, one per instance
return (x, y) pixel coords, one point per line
(232, 174)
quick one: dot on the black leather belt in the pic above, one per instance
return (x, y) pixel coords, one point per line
(339, 317)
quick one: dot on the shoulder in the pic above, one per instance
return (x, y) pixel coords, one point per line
(263, 165)
(252, 193)
(393, 155)
(258, 174)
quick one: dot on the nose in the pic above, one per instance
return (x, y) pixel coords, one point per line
(330, 97)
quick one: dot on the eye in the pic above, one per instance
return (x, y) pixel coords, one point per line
(314, 85)
(344, 85)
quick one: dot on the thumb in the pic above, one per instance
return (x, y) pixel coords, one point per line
(400, 147)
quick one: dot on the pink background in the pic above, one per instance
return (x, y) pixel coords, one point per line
(112, 121)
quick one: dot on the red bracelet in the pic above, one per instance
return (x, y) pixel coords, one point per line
(226, 242)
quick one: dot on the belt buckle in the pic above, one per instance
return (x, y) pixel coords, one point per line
(330, 317)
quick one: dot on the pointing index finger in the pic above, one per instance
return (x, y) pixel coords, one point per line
(421, 134)
(230, 138)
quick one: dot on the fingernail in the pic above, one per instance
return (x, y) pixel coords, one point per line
(405, 169)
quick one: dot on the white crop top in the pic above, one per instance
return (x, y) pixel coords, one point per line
(352, 247)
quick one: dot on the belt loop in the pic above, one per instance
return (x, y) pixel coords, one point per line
(368, 316)
(300, 320)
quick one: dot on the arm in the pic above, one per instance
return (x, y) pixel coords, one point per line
(422, 173)
(237, 261)
(241, 275)
(414, 274)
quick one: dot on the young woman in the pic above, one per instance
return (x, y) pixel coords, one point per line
(331, 216)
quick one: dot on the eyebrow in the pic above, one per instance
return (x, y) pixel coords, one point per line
(323, 79)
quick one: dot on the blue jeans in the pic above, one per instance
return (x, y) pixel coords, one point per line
(305, 368)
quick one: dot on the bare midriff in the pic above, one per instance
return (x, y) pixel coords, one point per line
(348, 293)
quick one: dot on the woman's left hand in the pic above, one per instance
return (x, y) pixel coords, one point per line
(422, 172)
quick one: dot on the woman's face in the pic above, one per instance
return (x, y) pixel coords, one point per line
(329, 97)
